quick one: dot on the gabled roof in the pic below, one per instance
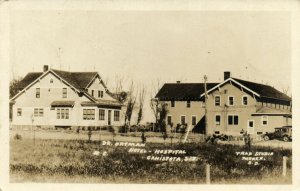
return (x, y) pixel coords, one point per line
(264, 90)
(77, 80)
(182, 91)
(260, 90)
(194, 91)
(28, 79)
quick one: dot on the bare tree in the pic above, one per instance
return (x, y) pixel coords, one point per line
(130, 105)
(286, 90)
(154, 103)
(158, 107)
(118, 89)
(142, 92)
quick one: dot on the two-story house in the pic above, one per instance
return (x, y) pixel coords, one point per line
(55, 98)
(232, 106)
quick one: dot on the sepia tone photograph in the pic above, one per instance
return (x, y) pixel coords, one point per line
(198, 97)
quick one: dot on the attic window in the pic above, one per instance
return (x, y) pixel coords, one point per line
(173, 103)
(51, 81)
(100, 94)
(217, 100)
(188, 104)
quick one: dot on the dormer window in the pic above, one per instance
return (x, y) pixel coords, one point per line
(92, 92)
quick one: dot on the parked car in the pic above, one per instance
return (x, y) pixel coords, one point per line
(283, 133)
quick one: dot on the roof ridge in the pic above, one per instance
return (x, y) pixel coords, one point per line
(252, 82)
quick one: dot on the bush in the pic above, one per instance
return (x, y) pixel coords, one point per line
(17, 137)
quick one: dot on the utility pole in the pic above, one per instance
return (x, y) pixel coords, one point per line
(205, 100)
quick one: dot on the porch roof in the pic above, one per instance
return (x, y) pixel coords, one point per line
(102, 104)
(272, 111)
(62, 103)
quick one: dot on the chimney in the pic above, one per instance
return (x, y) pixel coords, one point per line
(46, 68)
(226, 75)
(178, 82)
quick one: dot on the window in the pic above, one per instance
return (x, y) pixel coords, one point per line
(217, 100)
(41, 112)
(245, 100)
(19, 112)
(169, 120)
(264, 120)
(100, 94)
(172, 103)
(62, 113)
(67, 113)
(188, 104)
(92, 92)
(88, 114)
(230, 100)
(218, 119)
(194, 120)
(38, 112)
(182, 120)
(65, 93)
(233, 119)
(51, 81)
(58, 113)
(37, 92)
(101, 114)
(116, 115)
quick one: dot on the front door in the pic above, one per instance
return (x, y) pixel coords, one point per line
(109, 117)
(250, 128)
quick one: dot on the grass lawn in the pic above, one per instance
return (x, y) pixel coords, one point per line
(70, 161)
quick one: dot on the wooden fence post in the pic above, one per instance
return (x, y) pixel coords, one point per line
(207, 174)
(284, 165)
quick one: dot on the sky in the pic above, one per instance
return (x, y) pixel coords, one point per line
(150, 46)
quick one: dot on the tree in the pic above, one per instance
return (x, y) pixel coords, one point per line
(154, 103)
(286, 90)
(141, 104)
(130, 105)
(117, 90)
(14, 87)
(162, 112)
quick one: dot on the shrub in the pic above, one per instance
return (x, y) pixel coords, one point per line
(17, 137)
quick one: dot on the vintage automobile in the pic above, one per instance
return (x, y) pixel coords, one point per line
(283, 133)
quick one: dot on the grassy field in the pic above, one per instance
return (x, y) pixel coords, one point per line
(51, 160)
